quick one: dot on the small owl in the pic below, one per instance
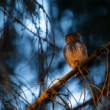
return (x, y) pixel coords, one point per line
(75, 51)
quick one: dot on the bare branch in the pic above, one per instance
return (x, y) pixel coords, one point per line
(48, 93)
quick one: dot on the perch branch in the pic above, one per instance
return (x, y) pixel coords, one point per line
(48, 93)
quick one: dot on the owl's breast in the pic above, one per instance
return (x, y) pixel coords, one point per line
(75, 54)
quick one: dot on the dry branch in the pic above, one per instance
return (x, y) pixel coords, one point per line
(48, 93)
(105, 91)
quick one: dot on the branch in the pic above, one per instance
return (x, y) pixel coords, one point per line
(105, 91)
(90, 101)
(17, 20)
(48, 93)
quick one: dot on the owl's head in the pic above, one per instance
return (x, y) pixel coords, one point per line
(72, 37)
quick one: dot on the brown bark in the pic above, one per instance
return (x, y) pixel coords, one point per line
(48, 93)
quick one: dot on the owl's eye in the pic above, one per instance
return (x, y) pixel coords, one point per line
(67, 39)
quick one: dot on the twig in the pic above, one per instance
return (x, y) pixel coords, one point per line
(90, 101)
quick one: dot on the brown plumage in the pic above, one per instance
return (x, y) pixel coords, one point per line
(75, 51)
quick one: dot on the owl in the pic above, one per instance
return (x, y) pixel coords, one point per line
(75, 51)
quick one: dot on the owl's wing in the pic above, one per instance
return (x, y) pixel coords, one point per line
(69, 54)
(66, 52)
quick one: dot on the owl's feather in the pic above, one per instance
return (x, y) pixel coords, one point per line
(75, 53)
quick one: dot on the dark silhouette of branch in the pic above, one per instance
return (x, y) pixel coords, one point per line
(48, 93)
(17, 20)
(105, 91)
(90, 101)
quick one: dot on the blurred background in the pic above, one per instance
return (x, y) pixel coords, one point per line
(32, 38)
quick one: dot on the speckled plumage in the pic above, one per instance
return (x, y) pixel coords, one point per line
(75, 51)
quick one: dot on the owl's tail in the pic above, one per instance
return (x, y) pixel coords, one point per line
(84, 71)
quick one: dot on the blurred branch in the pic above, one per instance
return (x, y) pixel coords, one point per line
(97, 96)
(49, 93)
(15, 19)
(90, 101)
